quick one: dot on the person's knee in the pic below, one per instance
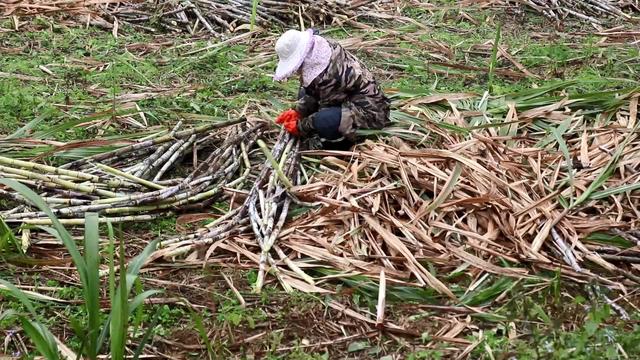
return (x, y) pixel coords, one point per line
(326, 122)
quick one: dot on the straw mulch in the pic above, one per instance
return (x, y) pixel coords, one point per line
(512, 199)
(509, 187)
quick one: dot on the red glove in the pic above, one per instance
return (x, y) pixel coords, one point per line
(289, 119)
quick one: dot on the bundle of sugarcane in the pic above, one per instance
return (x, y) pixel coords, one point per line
(264, 210)
(592, 11)
(214, 16)
(129, 183)
(227, 15)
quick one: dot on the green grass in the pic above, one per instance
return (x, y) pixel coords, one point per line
(598, 334)
(553, 59)
(116, 69)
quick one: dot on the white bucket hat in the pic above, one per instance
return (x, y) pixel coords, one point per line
(292, 47)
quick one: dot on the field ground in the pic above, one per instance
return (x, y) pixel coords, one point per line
(65, 76)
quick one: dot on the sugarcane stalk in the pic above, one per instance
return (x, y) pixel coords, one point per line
(102, 220)
(221, 232)
(154, 195)
(153, 142)
(263, 207)
(127, 176)
(174, 157)
(269, 221)
(23, 177)
(209, 233)
(164, 194)
(92, 189)
(110, 209)
(181, 249)
(216, 156)
(48, 169)
(51, 186)
(308, 279)
(144, 208)
(274, 268)
(164, 158)
(170, 182)
(225, 217)
(274, 164)
(264, 227)
(262, 268)
(159, 151)
(68, 202)
(270, 240)
(74, 210)
(14, 210)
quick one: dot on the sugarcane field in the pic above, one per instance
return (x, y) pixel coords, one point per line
(319, 179)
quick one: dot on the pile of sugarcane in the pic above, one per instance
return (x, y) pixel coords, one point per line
(264, 210)
(592, 11)
(227, 15)
(133, 183)
(141, 182)
(213, 16)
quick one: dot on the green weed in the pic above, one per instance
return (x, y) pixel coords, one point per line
(96, 329)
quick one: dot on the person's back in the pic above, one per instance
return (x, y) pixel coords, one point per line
(338, 94)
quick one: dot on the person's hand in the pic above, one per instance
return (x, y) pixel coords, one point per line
(287, 115)
(289, 120)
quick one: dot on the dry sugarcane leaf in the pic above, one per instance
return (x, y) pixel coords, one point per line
(305, 287)
(354, 314)
(633, 112)
(396, 244)
(486, 266)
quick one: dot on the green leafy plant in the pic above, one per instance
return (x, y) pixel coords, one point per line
(97, 329)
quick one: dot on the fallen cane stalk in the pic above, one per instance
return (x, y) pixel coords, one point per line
(161, 149)
(48, 169)
(153, 142)
(92, 189)
(204, 234)
(49, 200)
(163, 160)
(174, 157)
(135, 179)
(143, 208)
(293, 266)
(101, 220)
(273, 267)
(274, 164)
(182, 249)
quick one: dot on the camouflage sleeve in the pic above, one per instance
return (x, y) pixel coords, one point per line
(307, 104)
(305, 126)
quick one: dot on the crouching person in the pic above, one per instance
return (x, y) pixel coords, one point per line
(338, 94)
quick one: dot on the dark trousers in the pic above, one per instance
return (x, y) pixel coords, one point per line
(326, 124)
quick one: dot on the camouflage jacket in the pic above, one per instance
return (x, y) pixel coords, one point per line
(348, 84)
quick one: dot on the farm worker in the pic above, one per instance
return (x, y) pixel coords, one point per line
(337, 94)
